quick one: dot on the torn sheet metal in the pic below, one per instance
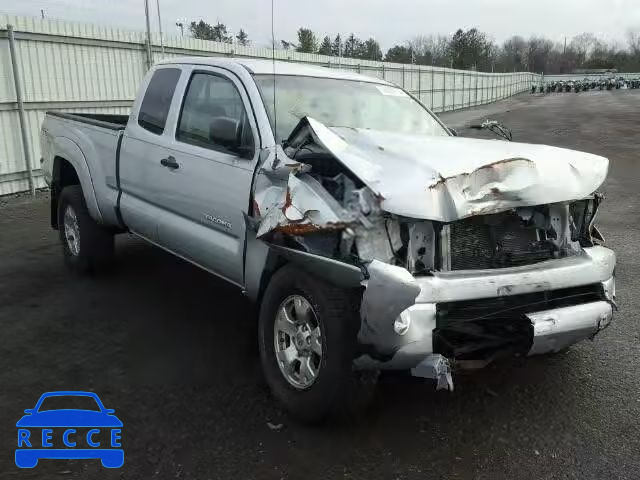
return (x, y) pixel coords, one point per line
(437, 367)
(289, 200)
(389, 291)
(395, 332)
(449, 178)
(302, 206)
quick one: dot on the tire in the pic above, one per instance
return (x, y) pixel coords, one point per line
(337, 391)
(95, 246)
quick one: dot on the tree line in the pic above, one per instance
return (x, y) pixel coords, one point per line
(349, 46)
(469, 49)
(218, 33)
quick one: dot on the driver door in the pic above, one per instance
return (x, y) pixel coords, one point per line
(207, 179)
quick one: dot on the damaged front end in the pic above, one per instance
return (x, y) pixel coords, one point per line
(472, 266)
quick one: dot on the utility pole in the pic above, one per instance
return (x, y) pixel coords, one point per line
(21, 114)
(149, 52)
(160, 26)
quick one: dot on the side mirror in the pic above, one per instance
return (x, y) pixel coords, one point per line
(225, 131)
(109, 411)
(29, 411)
(453, 131)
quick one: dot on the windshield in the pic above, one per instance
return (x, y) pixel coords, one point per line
(344, 103)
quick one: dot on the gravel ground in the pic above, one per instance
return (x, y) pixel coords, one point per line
(172, 350)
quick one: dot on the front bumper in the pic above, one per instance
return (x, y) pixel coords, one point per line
(405, 342)
(556, 329)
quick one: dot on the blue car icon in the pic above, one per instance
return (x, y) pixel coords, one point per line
(92, 417)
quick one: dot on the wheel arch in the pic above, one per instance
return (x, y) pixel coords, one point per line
(263, 260)
(70, 168)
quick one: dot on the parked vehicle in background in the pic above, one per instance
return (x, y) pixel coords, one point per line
(371, 237)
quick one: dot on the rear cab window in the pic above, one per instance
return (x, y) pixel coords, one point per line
(157, 100)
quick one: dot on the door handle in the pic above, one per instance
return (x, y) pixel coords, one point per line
(170, 163)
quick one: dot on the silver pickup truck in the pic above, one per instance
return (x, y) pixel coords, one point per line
(370, 235)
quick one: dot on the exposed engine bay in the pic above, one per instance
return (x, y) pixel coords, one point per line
(325, 209)
(348, 195)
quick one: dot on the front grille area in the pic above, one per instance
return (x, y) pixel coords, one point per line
(490, 327)
(506, 242)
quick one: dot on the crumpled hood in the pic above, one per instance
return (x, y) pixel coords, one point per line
(448, 178)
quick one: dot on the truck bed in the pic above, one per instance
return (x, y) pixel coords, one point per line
(105, 120)
(90, 142)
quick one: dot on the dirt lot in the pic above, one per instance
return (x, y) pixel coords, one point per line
(172, 350)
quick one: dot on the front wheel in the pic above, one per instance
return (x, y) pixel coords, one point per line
(307, 339)
(86, 245)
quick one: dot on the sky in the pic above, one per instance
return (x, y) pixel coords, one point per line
(388, 21)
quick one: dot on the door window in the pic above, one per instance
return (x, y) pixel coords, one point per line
(213, 116)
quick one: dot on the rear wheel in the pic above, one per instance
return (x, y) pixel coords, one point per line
(307, 339)
(86, 245)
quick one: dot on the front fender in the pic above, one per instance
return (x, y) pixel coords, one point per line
(262, 259)
(67, 149)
